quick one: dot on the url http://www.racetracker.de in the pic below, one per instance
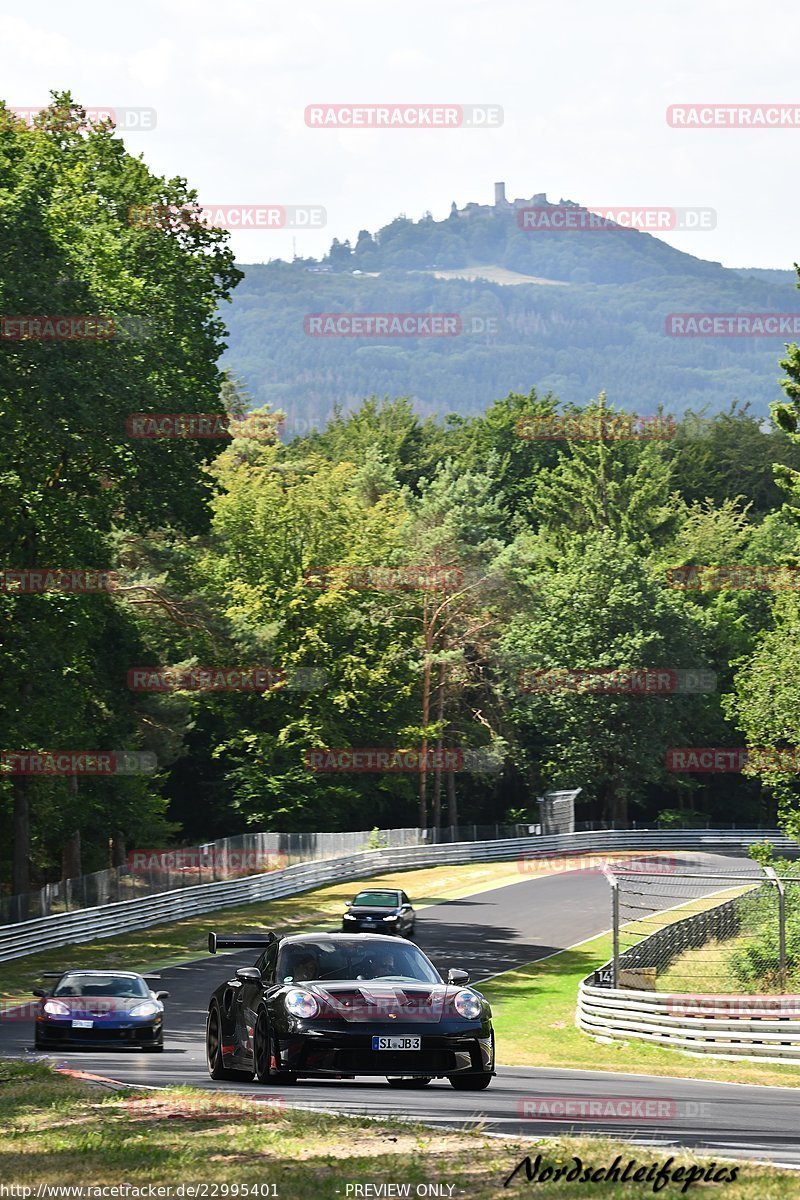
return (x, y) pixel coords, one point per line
(136, 1191)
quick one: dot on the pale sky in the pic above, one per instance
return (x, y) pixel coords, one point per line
(584, 88)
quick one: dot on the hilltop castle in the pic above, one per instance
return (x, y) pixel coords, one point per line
(502, 205)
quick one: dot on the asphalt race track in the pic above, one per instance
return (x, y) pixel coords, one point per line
(486, 933)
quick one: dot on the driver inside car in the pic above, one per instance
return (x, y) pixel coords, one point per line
(304, 968)
(384, 963)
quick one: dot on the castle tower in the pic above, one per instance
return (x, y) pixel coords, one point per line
(499, 195)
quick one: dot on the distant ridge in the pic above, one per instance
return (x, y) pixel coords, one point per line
(605, 330)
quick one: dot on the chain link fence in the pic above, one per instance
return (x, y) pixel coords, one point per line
(688, 931)
(149, 872)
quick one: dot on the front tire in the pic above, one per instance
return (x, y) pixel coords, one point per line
(471, 1083)
(263, 1054)
(476, 1081)
(214, 1060)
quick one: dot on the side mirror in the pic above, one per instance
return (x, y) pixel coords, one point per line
(249, 974)
(162, 995)
(39, 992)
(454, 975)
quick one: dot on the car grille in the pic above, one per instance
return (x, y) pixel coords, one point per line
(388, 1062)
(99, 1034)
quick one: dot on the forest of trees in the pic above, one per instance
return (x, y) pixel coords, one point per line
(605, 320)
(400, 576)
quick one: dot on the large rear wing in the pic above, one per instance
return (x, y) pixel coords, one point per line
(221, 942)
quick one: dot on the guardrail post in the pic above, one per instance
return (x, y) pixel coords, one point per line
(779, 884)
(614, 883)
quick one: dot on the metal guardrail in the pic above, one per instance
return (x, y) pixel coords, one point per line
(151, 872)
(768, 1029)
(758, 1028)
(62, 929)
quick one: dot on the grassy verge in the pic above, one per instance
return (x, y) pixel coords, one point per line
(535, 1027)
(165, 945)
(705, 969)
(60, 1131)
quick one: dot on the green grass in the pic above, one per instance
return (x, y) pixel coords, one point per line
(534, 1011)
(61, 1131)
(705, 969)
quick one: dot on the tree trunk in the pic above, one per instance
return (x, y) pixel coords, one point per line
(21, 854)
(437, 783)
(71, 853)
(619, 810)
(71, 856)
(452, 802)
(426, 712)
(20, 870)
(117, 848)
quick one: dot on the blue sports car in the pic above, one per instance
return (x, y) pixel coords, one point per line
(93, 1008)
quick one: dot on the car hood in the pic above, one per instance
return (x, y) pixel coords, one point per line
(362, 910)
(371, 1000)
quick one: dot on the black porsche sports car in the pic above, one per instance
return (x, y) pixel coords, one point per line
(379, 910)
(340, 1005)
(91, 1008)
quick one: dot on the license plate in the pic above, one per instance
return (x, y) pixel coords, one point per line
(396, 1043)
(82, 1024)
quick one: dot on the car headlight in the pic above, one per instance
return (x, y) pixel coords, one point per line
(56, 1008)
(392, 918)
(349, 917)
(467, 1004)
(148, 1009)
(301, 1004)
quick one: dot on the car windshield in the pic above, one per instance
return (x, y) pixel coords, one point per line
(101, 985)
(377, 899)
(372, 959)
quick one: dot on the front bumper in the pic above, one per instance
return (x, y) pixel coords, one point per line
(344, 1053)
(61, 1033)
(363, 926)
